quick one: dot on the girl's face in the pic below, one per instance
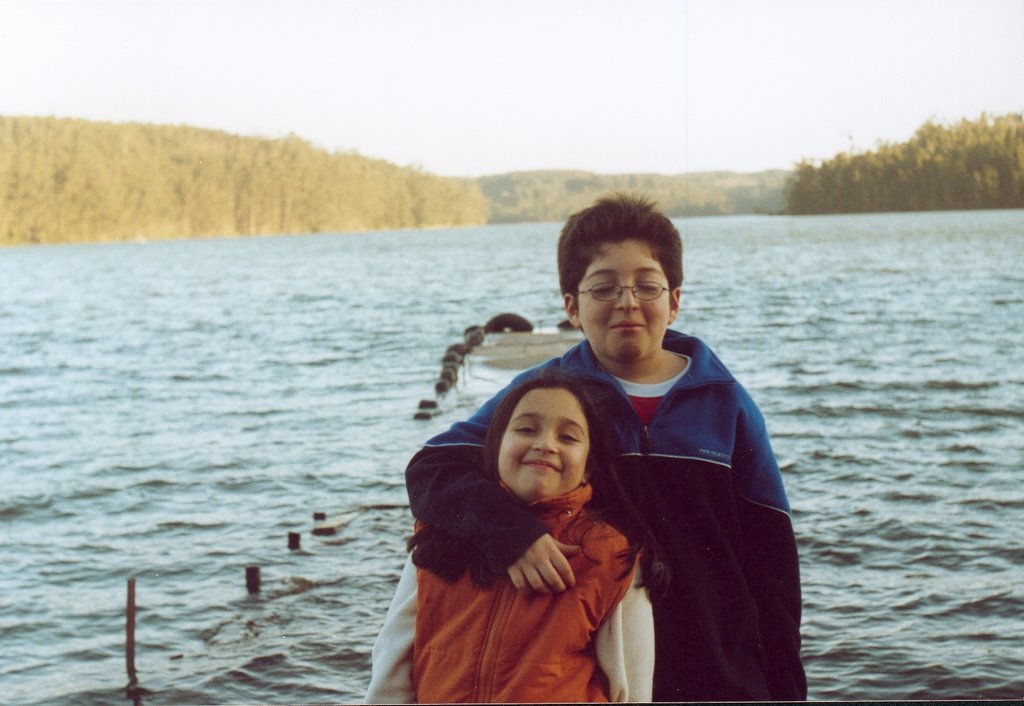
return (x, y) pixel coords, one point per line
(543, 452)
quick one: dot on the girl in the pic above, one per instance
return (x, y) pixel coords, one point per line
(459, 631)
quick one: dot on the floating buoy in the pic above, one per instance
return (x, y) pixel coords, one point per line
(452, 358)
(503, 323)
(474, 336)
(427, 409)
(455, 355)
(294, 540)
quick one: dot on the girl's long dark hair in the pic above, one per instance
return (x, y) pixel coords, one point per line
(449, 556)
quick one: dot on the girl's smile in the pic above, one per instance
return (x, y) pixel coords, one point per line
(544, 449)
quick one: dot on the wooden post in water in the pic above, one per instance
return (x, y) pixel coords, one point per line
(252, 579)
(129, 637)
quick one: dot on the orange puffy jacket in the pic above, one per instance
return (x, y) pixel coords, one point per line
(492, 644)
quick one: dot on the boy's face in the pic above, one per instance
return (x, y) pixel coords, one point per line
(626, 334)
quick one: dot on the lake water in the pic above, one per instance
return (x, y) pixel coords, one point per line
(171, 411)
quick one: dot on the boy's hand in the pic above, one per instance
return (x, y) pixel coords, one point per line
(543, 567)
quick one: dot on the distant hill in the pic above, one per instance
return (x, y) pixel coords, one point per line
(68, 180)
(554, 195)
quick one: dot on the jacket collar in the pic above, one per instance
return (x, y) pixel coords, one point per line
(568, 505)
(705, 367)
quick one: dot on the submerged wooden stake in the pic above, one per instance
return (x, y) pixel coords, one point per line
(252, 579)
(129, 637)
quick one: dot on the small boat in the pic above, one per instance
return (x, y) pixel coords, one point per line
(516, 350)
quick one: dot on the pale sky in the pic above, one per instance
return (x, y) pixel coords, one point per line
(475, 87)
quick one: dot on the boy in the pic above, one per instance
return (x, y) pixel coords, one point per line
(695, 457)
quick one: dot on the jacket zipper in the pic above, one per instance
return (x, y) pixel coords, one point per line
(491, 646)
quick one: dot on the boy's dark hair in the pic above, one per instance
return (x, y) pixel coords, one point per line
(449, 556)
(613, 219)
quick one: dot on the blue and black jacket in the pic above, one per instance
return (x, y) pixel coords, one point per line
(705, 477)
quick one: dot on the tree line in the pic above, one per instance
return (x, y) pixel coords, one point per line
(66, 180)
(968, 165)
(554, 195)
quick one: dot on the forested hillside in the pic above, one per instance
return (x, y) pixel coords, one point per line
(65, 180)
(969, 165)
(553, 195)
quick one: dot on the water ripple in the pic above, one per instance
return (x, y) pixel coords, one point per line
(171, 413)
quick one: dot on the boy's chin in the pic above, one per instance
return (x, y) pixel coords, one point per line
(626, 354)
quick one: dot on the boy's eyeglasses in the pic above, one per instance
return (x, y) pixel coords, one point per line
(644, 291)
